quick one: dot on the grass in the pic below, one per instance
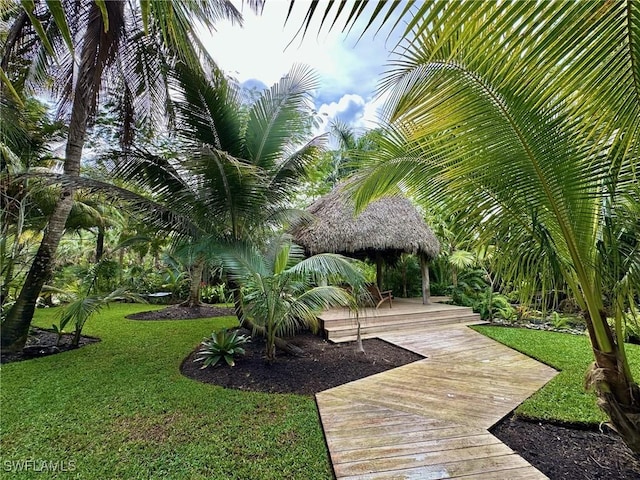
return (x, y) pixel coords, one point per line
(121, 409)
(564, 398)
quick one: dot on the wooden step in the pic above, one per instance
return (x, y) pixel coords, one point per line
(349, 333)
(391, 316)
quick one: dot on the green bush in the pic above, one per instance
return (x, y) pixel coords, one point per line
(404, 278)
(492, 305)
(216, 294)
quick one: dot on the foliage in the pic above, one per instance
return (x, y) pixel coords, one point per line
(84, 306)
(75, 49)
(405, 277)
(121, 409)
(559, 321)
(471, 283)
(233, 167)
(490, 305)
(216, 294)
(564, 398)
(223, 344)
(491, 111)
(282, 290)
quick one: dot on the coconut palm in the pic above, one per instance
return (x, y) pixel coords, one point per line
(81, 45)
(238, 164)
(530, 112)
(281, 291)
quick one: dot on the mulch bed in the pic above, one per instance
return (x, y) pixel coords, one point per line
(178, 312)
(325, 365)
(560, 452)
(42, 343)
(563, 452)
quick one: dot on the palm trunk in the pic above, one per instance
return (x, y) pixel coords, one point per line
(16, 325)
(618, 395)
(99, 244)
(195, 288)
(15, 250)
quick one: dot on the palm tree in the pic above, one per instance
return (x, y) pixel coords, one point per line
(238, 164)
(530, 112)
(132, 44)
(280, 287)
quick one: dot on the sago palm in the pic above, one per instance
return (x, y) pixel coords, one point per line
(530, 113)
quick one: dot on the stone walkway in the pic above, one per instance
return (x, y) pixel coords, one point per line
(430, 419)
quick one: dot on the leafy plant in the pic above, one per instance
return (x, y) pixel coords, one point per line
(490, 305)
(223, 344)
(216, 294)
(282, 291)
(558, 321)
(84, 306)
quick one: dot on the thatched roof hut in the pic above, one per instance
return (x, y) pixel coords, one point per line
(381, 232)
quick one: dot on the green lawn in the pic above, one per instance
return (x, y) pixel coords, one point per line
(120, 409)
(563, 398)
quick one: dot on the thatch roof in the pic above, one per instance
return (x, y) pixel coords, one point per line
(389, 226)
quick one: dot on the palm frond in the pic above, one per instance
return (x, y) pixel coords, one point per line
(278, 115)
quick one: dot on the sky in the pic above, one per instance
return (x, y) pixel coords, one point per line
(262, 51)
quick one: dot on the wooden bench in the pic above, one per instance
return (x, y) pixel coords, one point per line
(379, 297)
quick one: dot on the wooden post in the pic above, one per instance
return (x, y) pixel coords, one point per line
(426, 290)
(379, 270)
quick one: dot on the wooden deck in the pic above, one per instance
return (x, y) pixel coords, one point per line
(407, 314)
(429, 419)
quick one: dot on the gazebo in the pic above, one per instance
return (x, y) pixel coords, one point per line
(381, 232)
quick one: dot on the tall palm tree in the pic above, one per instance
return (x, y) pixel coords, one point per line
(531, 113)
(81, 45)
(238, 164)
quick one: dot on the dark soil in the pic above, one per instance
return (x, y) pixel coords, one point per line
(178, 312)
(42, 343)
(561, 452)
(325, 365)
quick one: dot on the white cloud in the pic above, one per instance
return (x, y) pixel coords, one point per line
(260, 50)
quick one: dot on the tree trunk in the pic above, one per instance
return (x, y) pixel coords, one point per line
(618, 395)
(426, 287)
(195, 287)
(99, 244)
(16, 325)
(15, 250)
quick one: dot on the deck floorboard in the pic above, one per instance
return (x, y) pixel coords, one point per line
(430, 419)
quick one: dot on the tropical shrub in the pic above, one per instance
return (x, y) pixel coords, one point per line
(282, 291)
(405, 277)
(84, 306)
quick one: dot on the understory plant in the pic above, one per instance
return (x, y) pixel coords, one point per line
(282, 291)
(223, 344)
(78, 311)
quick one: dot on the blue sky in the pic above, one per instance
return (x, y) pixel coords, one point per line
(349, 70)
